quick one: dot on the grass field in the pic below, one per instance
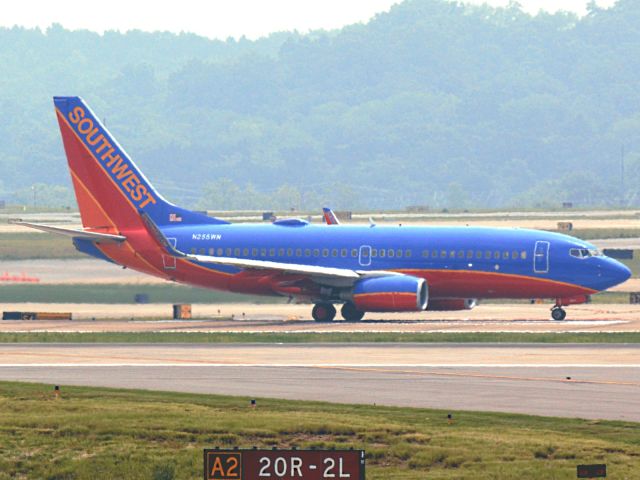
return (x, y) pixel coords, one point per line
(174, 293)
(122, 293)
(92, 433)
(26, 246)
(326, 337)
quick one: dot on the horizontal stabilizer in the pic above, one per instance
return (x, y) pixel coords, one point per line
(74, 232)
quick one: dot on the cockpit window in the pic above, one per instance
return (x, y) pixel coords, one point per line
(585, 252)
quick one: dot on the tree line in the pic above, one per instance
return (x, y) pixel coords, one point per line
(433, 103)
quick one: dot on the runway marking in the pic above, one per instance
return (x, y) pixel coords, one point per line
(484, 375)
(376, 368)
(177, 361)
(191, 363)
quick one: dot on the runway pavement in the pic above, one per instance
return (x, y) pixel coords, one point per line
(588, 381)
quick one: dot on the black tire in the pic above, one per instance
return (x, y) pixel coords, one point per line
(350, 313)
(323, 312)
(558, 314)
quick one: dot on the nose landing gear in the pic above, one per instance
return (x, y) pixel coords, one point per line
(558, 313)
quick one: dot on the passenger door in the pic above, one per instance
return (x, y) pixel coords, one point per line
(541, 257)
(365, 256)
(169, 261)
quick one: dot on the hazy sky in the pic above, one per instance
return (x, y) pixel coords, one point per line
(220, 18)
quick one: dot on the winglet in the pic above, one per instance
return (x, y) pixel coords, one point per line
(330, 218)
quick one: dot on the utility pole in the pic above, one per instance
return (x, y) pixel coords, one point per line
(622, 175)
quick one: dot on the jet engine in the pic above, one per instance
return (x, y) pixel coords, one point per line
(403, 293)
(443, 304)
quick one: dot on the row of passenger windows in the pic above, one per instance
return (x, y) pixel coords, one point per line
(308, 252)
(374, 252)
(477, 254)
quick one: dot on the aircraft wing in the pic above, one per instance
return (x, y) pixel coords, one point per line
(248, 263)
(312, 270)
(74, 232)
(269, 265)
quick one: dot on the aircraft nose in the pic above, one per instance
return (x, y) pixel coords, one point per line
(618, 273)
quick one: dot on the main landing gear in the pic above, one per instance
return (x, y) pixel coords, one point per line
(326, 312)
(323, 312)
(350, 313)
(558, 313)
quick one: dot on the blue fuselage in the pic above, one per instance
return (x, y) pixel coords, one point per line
(457, 261)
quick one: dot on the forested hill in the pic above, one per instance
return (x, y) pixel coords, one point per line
(433, 103)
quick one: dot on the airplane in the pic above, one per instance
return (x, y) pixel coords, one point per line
(365, 268)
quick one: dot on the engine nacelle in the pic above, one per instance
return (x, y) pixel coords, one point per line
(443, 304)
(402, 293)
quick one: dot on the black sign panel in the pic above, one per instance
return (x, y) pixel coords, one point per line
(256, 464)
(592, 471)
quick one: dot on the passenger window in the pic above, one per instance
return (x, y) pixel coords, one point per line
(514, 255)
(383, 252)
(443, 254)
(263, 252)
(470, 254)
(487, 254)
(374, 252)
(344, 252)
(523, 255)
(334, 252)
(298, 252)
(220, 252)
(281, 252)
(407, 253)
(325, 252)
(452, 254)
(425, 253)
(505, 255)
(391, 253)
(365, 252)
(194, 250)
(496, 255)
(316, 252)
(202, 251)
(289, 252)
(460, 253)
(399, 253)
(434, 253)
(478, 254)
(245, 252)
(228, 252)
(307, 252)
(354, 252)
(254, 252)
(211, 252)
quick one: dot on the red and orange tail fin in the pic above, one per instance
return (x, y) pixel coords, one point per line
(110, 189)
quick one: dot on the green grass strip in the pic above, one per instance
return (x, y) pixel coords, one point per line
(318, 337)
(91, 433)
(122, 293)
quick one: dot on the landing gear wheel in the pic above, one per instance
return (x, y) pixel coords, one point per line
(323, 312)
(558, 313)
(350, 313)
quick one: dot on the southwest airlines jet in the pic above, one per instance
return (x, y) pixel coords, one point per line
(365, 268)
